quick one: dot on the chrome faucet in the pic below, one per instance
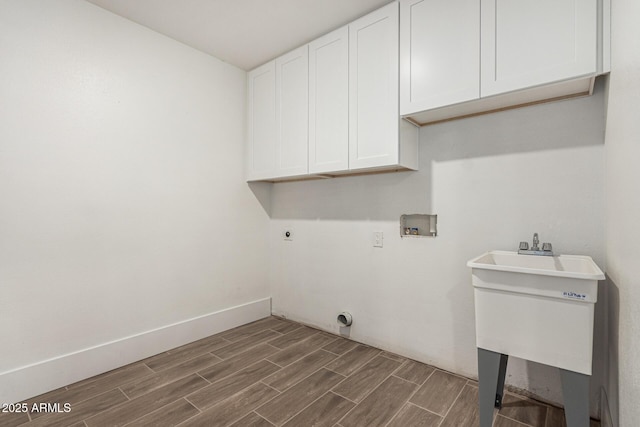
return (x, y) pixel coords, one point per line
(535, 249)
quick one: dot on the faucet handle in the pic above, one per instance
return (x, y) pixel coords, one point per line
(524, 246)
(546, 247)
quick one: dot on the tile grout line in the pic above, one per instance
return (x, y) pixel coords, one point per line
(453, 404)
(419, 387)
(125, 394)
(221, 379)
(110, 407)
(396, 414)
(234, 372)
(226, 343)
(235, 420)
(366, 395)
(258, 415)
(244, 389)
(374, 389)
(529, 400)
(187, 360)
(302, 410)
(165, 405)
(273, 346)
(204, 378)
(282, 333)
(328, 391)
(129, 398)
(281, 392)
(272, 388)
(191, 417)
(408, 401)
(253, 335)
(249, 347)
(304, 378)
(516, 421)
(194, 415)
(344, 397)
(245, 337)
(296, 360)
(333, 352)
(338, 337)
(84, 399)
(395, 360)
(424, 409)
(210, 337)
(127, 382)
(359, 367)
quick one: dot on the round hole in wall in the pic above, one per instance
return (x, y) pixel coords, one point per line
(345, 319)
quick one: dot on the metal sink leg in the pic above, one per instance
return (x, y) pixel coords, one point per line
(492, 368)
(575, 390)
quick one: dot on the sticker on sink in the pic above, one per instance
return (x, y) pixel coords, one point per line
(574, 295)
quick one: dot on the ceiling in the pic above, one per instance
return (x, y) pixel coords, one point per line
(245, 33)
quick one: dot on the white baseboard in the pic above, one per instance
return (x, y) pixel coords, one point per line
(32, 380)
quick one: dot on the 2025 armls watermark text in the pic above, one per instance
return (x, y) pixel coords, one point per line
(47, 407)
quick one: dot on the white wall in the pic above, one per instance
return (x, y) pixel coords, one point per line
(622, 214)
(123, 207)
(493, 181)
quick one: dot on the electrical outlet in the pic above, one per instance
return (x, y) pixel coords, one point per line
(377, 239)
(287, 234)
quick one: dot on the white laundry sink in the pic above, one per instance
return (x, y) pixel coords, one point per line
(537, 308)
(573, 266)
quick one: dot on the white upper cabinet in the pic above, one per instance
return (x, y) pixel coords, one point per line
(439, 53)
(373, 90)
(292, 113)
(527, 43)
(465, 57)
(261, 123)
(329, 102)
(277, 117)
(331, 107)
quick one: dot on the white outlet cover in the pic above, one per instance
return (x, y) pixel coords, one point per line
(378, 238)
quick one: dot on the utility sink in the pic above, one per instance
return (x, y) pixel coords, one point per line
(571, 266)
(537, 308)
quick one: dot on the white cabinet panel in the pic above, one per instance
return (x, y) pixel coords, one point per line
(531, 42)
(331, 107)
(329, 102)
(292, 107)
(439, 53)
(373, 89)
(261, 123)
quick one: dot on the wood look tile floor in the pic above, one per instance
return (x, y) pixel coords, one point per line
(275, 372)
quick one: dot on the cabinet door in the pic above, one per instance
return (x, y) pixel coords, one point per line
(439, 53)
(526, 43)
(261, 122)
(292, 112)
(329, 102)
(373, 89)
